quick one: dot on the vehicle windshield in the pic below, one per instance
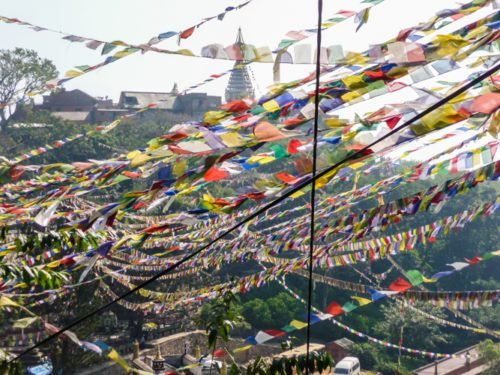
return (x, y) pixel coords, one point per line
(341, 371)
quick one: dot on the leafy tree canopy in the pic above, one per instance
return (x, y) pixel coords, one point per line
(22, 71)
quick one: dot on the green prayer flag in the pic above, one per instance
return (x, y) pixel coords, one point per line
(415, 277)
(488, 256)
(279, 151)
(285, 43)
(107, 48)
(288, 328)
(349, 306)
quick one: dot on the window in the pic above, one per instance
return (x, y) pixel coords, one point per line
(131, 100)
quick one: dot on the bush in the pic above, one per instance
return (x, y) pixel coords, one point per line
(389, 368)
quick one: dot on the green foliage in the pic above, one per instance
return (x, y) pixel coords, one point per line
(368, 355)
(46, 278)
(221, 317)
(318, 362)
(417, 332)
(489, 351)
(273, 311)
(11, 368)
(390, 368)
(487, 316)
(22, 71)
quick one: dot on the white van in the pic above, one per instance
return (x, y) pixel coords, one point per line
(348, 366)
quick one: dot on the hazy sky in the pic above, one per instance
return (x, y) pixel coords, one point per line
(264, 23)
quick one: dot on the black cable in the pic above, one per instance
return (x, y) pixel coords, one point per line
(313, 186)
(278, 200)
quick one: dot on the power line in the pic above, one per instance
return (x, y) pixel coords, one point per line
(313, 187)
(278, 200)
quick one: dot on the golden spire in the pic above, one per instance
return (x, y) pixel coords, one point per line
(158, 353)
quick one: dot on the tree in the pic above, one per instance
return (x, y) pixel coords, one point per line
(273, 311)
(489, 351)
(368, 355)
(417, 332)
(222, 316)
(21, 71)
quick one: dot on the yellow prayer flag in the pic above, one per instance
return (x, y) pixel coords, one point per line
(54, 264)
(120, 54)
(322, 181)
(180, 168)
(298, 324)
(271, 105)
(357, 165)
(362, 301)
(355, 58)
(114, 356)
(334, 122)
(426, 280)
(263, 54)
(354, 82)
(449, 44)
(297, 194)
(72, 73)
(213, 117)
(185, 52)
(242, 349)
(350, 96)
(260, 159)
(232, 139)
(5, 301)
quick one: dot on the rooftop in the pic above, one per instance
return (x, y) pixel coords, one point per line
(141, 99)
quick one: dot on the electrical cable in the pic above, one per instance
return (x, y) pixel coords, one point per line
(313, 186)
(479, 78)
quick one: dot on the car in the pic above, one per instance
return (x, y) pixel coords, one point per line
(348, 366)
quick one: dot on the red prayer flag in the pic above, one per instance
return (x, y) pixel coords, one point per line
(219, 353)
(287, 178)
(474, 260)
(293, 121)
(215, 174)
(400, 285)
(236, 106)
(16, 172)
(487, 103)
(187, 33)
(274, 332)
(132, 174)
(393, 121)
(293, 145)
(335, 309)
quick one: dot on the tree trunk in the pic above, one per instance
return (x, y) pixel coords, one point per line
(3, 120)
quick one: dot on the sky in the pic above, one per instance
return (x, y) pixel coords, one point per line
(264, 23)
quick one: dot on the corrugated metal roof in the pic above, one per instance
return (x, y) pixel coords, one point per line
(163, 100)
(72, 116)
(344, 342)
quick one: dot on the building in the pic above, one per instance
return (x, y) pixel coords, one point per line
(240, 85)
(78, 106)
(339, 348)
(193, 104)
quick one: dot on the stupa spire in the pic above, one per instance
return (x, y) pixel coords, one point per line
(239, 85)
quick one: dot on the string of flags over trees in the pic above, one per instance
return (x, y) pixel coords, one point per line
(214, 213)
